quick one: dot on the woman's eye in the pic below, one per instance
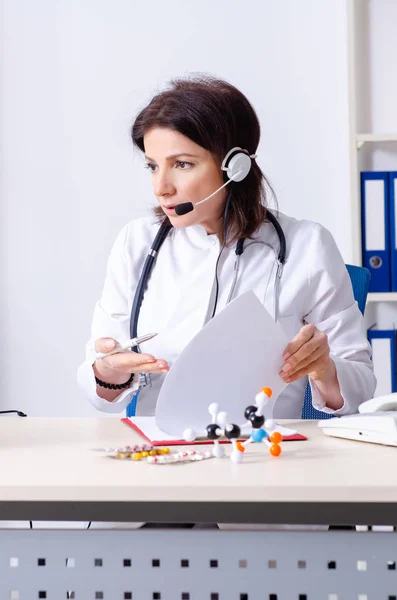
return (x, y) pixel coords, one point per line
(182, 164)
(151, 167)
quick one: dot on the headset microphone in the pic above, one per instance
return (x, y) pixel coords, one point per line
(183, 209)
(237, 165)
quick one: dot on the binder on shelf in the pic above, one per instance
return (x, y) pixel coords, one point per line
(375, 228)
(384, 357)
(393, 228)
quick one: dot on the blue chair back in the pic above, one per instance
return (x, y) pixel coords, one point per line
(360, 278)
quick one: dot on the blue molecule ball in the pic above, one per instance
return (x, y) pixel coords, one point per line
(257, 435)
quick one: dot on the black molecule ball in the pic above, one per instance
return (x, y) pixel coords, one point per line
(249, 410)
(256, 420)
(212, 431)
(232, 431)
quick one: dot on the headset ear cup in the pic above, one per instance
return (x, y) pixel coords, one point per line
(238, 166)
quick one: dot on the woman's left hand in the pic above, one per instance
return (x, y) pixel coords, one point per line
(307, 354)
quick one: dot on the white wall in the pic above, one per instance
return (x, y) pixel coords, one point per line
(73, 75)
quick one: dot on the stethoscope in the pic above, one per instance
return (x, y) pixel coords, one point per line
(158, 241)
(237, 164)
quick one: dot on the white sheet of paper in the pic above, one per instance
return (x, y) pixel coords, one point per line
(235, 354)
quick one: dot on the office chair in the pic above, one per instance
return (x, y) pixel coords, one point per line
(360, 278)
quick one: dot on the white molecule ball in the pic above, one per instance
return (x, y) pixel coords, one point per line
(213, 409)
(218, 451)
(270, 424)
(189, 435)
(261, 399)
(222, 419)
(236, 456)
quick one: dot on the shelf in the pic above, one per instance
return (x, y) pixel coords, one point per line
(363, 138)
(382, 297)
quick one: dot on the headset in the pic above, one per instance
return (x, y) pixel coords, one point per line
(236, 165)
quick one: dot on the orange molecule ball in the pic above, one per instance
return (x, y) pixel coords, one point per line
(240, 447)
(267, 391)
(275, 450)
(276, 437)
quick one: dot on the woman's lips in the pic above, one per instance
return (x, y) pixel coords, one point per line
(170, 210)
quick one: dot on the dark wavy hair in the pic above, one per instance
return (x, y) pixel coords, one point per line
(216, 116)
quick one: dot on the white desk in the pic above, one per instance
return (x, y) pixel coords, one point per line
(50, 470)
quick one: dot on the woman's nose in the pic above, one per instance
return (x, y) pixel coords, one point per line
(163, 184)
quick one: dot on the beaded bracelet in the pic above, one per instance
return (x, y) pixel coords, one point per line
(115, 386)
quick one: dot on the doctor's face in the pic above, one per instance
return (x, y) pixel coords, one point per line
(182, 172)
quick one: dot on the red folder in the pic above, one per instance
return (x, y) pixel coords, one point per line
(127, 421)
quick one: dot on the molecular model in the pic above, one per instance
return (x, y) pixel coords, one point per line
(261, 432)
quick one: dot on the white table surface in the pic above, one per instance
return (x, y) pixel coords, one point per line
(56, 462)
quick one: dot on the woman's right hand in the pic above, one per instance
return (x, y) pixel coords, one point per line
(118, 367)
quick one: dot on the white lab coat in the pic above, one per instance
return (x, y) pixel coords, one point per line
(314, 288)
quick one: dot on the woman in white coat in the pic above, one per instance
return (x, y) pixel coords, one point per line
(185, 133)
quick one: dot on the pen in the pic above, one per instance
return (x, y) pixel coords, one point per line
(129, 344)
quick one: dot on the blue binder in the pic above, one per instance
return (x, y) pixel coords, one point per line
(375, 228)
(384, 355)
(393, 228)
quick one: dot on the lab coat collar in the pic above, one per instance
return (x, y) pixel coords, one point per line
(198, 237)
